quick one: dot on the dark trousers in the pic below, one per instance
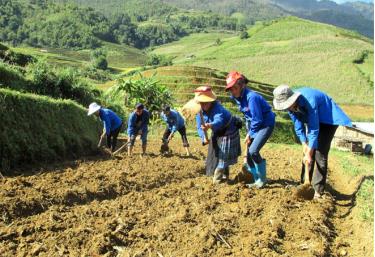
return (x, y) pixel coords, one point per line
(182, 132)
(112, 138)
(320, 158)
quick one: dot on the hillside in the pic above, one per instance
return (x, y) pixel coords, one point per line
(120, 57)
(64, 24)
(182, 80)
(358, 17)
(289, 50)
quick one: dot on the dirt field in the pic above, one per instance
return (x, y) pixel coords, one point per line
(165, 206)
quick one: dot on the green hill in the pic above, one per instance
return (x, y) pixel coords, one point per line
(64, 24)
(288, 50)
(358, 17)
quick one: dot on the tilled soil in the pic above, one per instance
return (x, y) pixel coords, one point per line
(164, 206)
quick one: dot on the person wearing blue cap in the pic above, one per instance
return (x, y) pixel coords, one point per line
(316, 117)
(175, 122)
(112, 124)
(138, 125)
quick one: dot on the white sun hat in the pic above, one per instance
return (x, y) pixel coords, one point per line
(93, 108)
(284, 97)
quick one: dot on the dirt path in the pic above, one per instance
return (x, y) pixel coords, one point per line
(351, 236)
(165, 206)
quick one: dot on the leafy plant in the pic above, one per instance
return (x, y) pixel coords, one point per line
(145, 90)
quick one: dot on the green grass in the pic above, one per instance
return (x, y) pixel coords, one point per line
(40, 129)
(291, 51)
(365, 200)
(354, 166)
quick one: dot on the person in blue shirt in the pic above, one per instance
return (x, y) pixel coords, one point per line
(138, 125)
(175, 122)
(260, 122)
(112, 124)
(316, 117)
(224, 146)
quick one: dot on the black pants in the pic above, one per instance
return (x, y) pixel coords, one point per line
(320, 157)
(112, 138)
(182, 132)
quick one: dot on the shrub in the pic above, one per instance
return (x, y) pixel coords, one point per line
(65, 83)
(158, 60)
(244, 35)
(145, 90)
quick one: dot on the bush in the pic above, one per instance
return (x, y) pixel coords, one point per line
(99, 60)
(244, 35)
(158, 60)
(96, 74)
(14, 58)
(361, 57)
(12, 77)
(65, 83)
(37, 128)
(148, 91)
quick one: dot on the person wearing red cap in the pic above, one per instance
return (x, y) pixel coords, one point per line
(260, 122)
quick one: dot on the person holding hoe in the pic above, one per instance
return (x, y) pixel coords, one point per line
(175, 122)
(316, 117)
(260, 122)
(224, 145)
(138, 125)
(112, 124)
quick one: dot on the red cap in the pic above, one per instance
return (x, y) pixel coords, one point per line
(232, 78)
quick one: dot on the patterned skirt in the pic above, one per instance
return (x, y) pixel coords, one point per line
(223, 152)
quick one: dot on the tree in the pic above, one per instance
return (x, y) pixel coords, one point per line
(99, 59)
(244, 35)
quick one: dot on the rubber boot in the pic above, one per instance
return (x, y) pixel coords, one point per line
(218, 176)
(251, 170)
(261, 175)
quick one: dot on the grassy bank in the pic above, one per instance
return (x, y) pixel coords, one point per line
(41, 129)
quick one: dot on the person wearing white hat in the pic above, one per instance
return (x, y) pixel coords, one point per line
(224, 146)
(111, 121)
(316, 117)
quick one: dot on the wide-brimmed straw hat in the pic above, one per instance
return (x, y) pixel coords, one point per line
(93, 108)
(204, 95)
(284, 97)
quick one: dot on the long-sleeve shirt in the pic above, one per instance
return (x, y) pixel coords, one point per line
(219, 118)
(315, 107)
(174, 120)
(137, 123)
(258, 113)
(110, 120)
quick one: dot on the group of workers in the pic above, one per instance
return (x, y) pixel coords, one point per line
(314, 114)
